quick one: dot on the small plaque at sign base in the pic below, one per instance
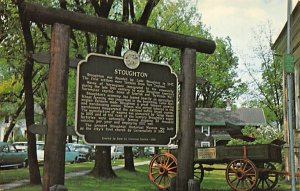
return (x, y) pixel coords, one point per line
(117, 104)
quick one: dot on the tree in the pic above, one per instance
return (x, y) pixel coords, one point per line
(218, 70)
(267, 91)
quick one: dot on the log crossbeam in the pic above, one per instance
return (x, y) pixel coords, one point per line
(98, 25)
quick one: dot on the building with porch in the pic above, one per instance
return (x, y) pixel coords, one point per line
(280, 46)
(211, 123)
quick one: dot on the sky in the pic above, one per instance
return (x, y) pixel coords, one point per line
(238, 19)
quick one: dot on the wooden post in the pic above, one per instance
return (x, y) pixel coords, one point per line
(173, 184)
(54, 168)
(193, 185)
(187, 119)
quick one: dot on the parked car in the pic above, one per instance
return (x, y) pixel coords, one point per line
(71, 156)
(86, 152)
(21, 146)
(10, 156)
(40, 152)
(149, 151)
(135, 151)
(117, 152)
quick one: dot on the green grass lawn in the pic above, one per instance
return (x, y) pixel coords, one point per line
(138, 181)
(10, 175)
(126, 181)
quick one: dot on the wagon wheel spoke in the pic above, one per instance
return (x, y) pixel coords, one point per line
(244, 166)
(167, 161)
(268, 183)
(272, 182)
(161, 177)
(170, 164)
(154, 173)
(247, 182)
(259, 181)
(237, 184)
(250, 180)
(249, 170)
(171, 172)
(175, 167)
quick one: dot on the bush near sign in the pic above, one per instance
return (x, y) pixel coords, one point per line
(118, 105)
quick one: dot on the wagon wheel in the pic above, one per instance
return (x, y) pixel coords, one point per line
(241, 175)
(198, 171)
(162, 169)
(267, 178)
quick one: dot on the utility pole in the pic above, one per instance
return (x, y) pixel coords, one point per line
(289, 69)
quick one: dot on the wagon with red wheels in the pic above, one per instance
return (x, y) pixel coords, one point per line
(248, 167)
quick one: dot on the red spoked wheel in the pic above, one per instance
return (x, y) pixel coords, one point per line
(162, 169)
(241, 175)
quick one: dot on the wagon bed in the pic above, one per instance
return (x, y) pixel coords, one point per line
(224, 154)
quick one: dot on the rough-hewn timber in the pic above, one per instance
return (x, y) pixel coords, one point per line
(108, 27)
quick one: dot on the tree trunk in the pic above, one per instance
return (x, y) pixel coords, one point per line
(13, 121)
(129, 162)
(34, 171)
(103, 167)
(70, 139)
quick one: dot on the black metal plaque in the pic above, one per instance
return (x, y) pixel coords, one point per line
(118, 105)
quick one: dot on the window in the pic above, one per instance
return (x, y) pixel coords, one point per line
(5, 149)
(205, 144)
(12, 148)
(205, 130)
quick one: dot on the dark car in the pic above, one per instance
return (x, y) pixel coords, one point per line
(86, 152)
(11, 157)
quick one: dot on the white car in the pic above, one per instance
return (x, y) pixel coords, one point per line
(40, 152)
(117, 152)
(21, 146)
(70, 156)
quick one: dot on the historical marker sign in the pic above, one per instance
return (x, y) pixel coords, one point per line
(119, 105)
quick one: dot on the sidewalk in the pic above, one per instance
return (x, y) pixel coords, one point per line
(20, 183)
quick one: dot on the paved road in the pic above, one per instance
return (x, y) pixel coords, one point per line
(20, 183)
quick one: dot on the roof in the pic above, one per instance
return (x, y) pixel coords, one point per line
(240, 116)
